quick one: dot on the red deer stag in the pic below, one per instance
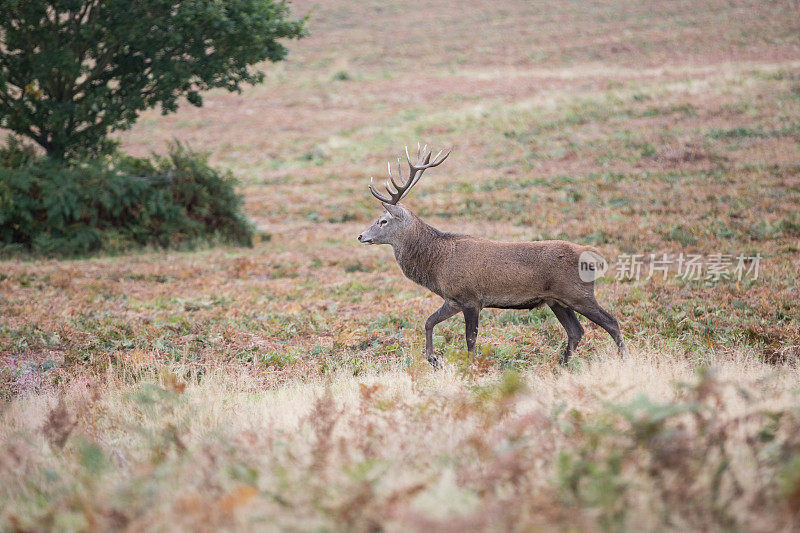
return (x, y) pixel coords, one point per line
(472, 273)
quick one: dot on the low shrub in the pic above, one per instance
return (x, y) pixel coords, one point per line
(115, 203)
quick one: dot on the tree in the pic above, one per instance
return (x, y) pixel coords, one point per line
(73, 71)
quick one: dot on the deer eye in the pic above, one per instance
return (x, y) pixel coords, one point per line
(382, 222)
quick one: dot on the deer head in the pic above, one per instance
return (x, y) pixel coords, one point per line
(397, 217)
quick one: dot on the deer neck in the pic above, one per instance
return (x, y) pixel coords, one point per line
(420, 252)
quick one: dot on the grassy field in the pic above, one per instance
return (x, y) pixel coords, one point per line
(283, 386)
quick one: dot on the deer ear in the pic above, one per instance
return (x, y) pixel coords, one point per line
(397, 211)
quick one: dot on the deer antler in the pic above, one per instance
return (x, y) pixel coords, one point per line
(415, 173)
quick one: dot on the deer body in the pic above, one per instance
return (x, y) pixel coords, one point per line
(485, 273)
(472, 273)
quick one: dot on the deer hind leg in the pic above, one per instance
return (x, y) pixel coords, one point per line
(605, 320)
(443, 313)
(471, 315)
(567, 317)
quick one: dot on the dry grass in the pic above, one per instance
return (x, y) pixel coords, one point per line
(413, 450)
(188, 389)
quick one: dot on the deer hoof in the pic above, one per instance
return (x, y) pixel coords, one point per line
(434, 361)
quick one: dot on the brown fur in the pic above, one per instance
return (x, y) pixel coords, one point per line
(477, 272)
(472, 273)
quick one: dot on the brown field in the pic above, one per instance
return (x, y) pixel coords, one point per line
(282, 387)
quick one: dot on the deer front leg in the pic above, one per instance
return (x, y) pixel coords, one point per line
(471, 315)
(443, 313)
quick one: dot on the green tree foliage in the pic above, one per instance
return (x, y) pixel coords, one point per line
(72, 71)
(114, 203)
